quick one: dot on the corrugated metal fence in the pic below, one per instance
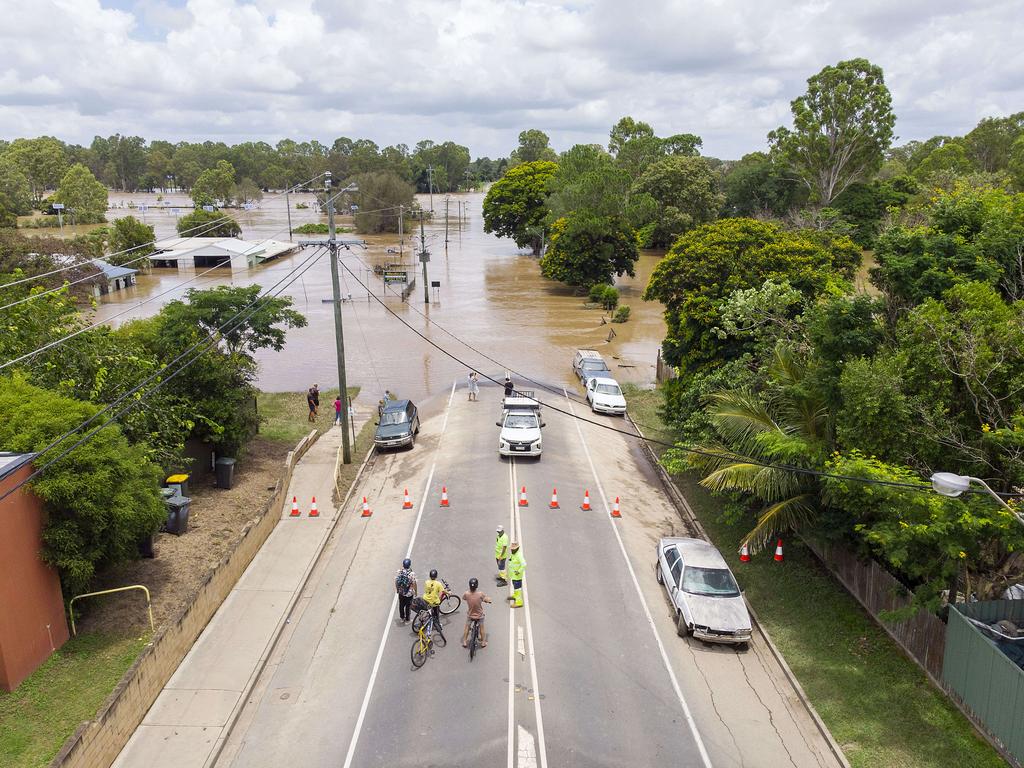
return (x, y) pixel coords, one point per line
(981, 676)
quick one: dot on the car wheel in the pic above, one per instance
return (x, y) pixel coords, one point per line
(658, 575)
(681, 629)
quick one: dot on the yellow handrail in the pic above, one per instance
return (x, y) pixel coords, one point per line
(149, 605)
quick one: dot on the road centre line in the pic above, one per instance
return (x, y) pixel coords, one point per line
(394, 600)
(542, 749)
(705, 758)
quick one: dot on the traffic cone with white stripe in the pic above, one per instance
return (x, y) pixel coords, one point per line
(313, 511)
(407, 504)
(444, 496)
(295, 507)
(366, 508)
(554, 499)
(778, 551)
(744, 554)
(522, 498)
(585, 506)
(615, 508)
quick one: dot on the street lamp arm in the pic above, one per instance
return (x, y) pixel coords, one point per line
(992, 493)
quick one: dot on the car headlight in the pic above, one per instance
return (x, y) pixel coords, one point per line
(503, 445)
(536, 443)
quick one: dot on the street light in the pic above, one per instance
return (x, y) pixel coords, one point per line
(952, 485)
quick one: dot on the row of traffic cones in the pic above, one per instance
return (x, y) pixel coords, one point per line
(313, 511)
(523, 502)
(745, 553)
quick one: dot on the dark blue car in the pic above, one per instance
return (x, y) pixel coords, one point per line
(398, 426)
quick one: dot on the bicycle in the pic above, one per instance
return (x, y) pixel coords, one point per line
(474, 635)
(423, 645)
(450, 601)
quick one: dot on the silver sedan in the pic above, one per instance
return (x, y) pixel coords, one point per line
(703, 591)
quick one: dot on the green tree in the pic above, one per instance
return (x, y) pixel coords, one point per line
(15, 187)
(101, 499)
(381, 198)
(247, 191)
(706, 265)
(586, 250)
(587, 179)
(202, 223)
(1015, 164)
(41, 160)
(515, 206)
(989, 144)
(757, 186)
(83, 195)
(634, 146)
(534, 145)
(685, 192)
(130, 240)
(214, 184)
(841, 128)
(944, 163)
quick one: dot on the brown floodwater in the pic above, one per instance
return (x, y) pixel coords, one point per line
(491, 297)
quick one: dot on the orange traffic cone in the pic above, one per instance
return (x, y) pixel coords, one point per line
(744, 554)
(554, 499)
(778, 552)
(295, 508)
(407, 504)
(366, 508)
(615, 508)
(522, 498)
(444, 496)
(313, 511)
(586, 501)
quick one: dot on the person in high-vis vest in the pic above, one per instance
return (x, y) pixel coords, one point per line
(501, 554)
(516, 569)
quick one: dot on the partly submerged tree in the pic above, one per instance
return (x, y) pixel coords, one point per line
(83, 195)
(202, 223)
(515, 205)
(587, 250)
(130, 240)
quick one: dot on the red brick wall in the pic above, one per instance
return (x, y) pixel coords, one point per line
(30, 596)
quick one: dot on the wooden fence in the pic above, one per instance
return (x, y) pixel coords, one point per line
(665, 372)
(922, 636)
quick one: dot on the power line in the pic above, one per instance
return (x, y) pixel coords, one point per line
(209, 343)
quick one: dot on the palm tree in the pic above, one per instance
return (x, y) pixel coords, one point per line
(758, 436)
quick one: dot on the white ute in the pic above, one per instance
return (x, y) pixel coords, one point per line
(520, 426)
(605, 396)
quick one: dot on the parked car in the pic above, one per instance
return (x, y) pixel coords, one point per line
(605, 396)
(520, 424)
(704, 594)
(587, 364)
(399, 424)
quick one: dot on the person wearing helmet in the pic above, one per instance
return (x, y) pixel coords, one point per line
(517, 570)
(433, 589)
(474, 600)
(500, 555)
(406, 587)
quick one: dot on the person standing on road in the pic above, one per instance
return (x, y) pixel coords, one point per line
(337, 410)
(500, 555)
(517, 570)
(405, 586)
(474, 386)
(474, 600)
(313, 401)
(508, 385)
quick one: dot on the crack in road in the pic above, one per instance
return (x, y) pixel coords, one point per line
(771, 718)
(714, 704)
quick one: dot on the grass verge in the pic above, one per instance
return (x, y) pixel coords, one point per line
(878, 704)
(284, 416)
(37, 717)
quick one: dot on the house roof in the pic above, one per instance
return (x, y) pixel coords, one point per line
(112, 272)
(174, 249)
(9, 462)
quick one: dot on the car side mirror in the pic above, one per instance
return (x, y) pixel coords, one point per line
(376, 423)
(497, 423)
(543, 424)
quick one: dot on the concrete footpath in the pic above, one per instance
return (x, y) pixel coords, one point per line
(185, 726)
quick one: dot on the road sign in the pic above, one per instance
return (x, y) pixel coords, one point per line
(435, 283)
(391, 276)
(58, 206)
(208, 208)
(143, 207)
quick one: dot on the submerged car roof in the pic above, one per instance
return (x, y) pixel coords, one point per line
(697, 552)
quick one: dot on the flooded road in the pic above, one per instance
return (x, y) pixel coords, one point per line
(491, 297)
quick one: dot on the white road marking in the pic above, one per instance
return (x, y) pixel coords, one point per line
(542, 747)
(527, 751)
(394, 600)
(511, 636)
(520, 642)
(705, 758)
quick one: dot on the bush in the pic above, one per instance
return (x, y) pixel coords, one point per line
(301, 206)
(311, 229)
(202, 223)
(604, 294)
(621, 315)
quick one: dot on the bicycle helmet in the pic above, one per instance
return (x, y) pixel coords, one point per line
(473, 583)
(433, 573)
(407, 563)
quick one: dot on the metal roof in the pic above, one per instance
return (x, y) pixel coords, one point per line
(9, 462)
(113, 272)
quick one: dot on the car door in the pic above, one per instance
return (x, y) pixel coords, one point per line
(591, 385)
(668, 558)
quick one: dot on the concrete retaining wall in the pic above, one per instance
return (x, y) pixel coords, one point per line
(97, 743)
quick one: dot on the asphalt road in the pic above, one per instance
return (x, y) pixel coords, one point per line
(588, 673)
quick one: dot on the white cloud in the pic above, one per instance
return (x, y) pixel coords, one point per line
(480, 71)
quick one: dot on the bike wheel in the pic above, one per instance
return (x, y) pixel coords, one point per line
(419, 653)
(472, 641)
(450, 604)
(417, 622)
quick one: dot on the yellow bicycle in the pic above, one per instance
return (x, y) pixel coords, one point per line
(427, 636)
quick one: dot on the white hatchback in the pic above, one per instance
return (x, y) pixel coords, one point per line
(605, 396)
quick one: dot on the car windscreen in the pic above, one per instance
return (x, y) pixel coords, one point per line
(521, 421)
(394, 417)
(710, 582)
(594, 365)
(608, 389)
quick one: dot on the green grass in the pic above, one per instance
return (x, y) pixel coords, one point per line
(878, 704)
(37, 717)
(284, 416)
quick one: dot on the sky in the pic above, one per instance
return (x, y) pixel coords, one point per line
(480, 71)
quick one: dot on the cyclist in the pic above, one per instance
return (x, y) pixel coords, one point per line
(432, 591)
(501, 554)
(474, 601)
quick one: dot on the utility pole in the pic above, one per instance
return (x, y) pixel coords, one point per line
(430, 185)
(288, 207)
(424, 258)
(339, 337)
(401, 234)
(446, 225)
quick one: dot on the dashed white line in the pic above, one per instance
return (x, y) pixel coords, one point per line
(705, 758)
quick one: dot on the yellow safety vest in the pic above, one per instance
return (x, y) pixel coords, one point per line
(501, 547)
(516, 565)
